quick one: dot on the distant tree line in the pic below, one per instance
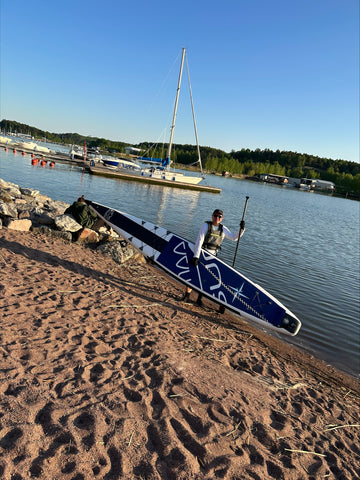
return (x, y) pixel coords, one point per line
(251, 163)
(63, 138)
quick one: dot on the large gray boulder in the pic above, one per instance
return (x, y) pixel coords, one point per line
(119, 251)
(29, 191)
(8, 210)
(67, 223)
(50, 232)
(10, 188)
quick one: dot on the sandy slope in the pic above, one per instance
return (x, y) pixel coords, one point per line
(106, 375)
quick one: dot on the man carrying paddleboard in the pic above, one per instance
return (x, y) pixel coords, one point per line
(211, 235)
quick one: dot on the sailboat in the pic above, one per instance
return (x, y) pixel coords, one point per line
(158, 171)
(163, 171)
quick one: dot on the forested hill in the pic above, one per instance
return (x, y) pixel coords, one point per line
(345, 174)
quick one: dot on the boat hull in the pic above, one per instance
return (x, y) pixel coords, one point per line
(33, 146)
(121, 164)
(110, 163)
(212, 277)
(171, 176)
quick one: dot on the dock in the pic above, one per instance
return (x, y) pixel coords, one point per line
(106, 172)
(52, 156)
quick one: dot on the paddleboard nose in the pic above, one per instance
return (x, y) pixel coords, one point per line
(291, 324)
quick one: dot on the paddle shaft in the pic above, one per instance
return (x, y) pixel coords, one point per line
(243, 216)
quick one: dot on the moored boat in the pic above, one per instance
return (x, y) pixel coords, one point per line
(120, 163)
(163, 171)
(78, 153)
(110, 163)
(33, 146)
(6, 141)
(170, 175)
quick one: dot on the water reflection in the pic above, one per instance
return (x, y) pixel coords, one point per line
(185, 200)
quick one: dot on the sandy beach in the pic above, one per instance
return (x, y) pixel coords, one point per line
(105, 374)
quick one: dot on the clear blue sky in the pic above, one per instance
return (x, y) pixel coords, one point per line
(279, 74)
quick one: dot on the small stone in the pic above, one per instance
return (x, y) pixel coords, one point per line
(88, 236)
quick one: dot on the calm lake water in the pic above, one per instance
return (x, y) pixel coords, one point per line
(302, 247)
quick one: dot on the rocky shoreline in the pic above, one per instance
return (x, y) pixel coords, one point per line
(26, 209)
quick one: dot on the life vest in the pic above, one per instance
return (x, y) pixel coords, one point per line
(213, 238)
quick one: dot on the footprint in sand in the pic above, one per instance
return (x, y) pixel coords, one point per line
(10, 440)
(158, 405)
(278, 420)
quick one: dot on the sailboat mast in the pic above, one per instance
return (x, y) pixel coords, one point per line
(175, 109)
(193, 113)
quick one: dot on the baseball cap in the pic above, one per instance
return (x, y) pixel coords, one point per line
(218, 212)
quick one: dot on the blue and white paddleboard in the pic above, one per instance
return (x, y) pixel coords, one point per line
(212, 277)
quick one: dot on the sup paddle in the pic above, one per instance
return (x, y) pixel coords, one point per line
(243, 216)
